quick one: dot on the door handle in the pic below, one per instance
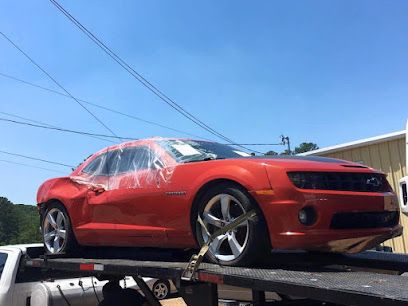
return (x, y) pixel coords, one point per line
(97, 189)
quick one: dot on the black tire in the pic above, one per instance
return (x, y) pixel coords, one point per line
(257, 243)
(67, 244)
(161, 289)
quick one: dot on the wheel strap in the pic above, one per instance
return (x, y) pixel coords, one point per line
(196, 259)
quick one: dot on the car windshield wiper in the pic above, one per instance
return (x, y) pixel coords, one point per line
(203, 159)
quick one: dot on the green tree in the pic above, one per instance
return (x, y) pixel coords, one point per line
(8, 221)
(286, 152)
(18, 223)
(28, 219)
(271, 153)
(305, 147)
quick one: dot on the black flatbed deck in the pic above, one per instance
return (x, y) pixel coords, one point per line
(313, 281)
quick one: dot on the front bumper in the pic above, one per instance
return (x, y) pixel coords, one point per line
(281, 211)
(344, 241)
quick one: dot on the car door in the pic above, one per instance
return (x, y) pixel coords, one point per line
(94, 181)
(132, 211)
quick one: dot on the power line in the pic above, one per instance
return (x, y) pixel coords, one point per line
(129, 69)
(31, 166)
(140, 78)
(57, 83)
(63, 130)
(46, 124)
(36, 158)
(99, 106)
(59, 129)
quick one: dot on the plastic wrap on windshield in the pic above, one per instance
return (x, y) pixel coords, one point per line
(186, 150)
(138, 164)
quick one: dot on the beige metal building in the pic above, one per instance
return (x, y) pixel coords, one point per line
(388, 153)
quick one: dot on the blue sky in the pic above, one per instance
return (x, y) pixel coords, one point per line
(320, 71)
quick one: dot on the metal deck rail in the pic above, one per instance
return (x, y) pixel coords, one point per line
(317, 282)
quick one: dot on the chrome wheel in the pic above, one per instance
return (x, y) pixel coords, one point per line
(160, 290)
(219, 211)
(54, 230)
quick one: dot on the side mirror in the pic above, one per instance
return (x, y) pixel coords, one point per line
(158, 164)
(403, 186)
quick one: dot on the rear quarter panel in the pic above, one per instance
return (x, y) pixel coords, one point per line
(71, 195)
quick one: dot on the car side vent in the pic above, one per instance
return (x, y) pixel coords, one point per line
(355, 166)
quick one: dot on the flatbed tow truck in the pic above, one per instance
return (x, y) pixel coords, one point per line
(368, 278)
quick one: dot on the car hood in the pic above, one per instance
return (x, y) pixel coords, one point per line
(311, 163)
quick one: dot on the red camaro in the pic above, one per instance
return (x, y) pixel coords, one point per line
(150, 193)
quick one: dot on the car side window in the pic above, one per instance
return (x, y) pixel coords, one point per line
(3, 260)
(122, 161)
(136, 159)
(101, 165)
(96, 166)
(131, 159)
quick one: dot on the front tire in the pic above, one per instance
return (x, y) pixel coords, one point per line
(241, 246)
(57, 233)
(161, 289)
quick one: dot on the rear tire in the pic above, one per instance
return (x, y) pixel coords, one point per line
(57, 233)
(242, 246)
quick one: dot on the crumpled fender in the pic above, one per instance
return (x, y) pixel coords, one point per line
(61, 189)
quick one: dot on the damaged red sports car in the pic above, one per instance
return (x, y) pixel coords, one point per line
(150, 193)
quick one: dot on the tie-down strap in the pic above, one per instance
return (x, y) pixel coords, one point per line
(195, 260)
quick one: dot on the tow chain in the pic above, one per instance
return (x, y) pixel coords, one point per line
(195, 260)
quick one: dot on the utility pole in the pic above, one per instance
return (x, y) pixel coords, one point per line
(286, 141)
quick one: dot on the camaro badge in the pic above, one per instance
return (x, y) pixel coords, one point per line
(176, 193)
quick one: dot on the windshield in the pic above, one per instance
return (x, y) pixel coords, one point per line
(3, 259)
(184, 151)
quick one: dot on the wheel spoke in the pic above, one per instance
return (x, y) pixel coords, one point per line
(225, 206)
(220, 211)
(234, 245)
(216, 243)
(211, 219)
(60, 218)
(56, 244)
(51, 220)
(48, 236)
(62, 234)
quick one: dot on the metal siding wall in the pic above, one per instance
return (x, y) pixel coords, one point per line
(389, 157)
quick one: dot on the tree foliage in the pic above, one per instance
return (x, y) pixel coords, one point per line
(18, 223)
(306, 147)
(271, 153)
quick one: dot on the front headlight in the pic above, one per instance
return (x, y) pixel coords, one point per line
(307, 180)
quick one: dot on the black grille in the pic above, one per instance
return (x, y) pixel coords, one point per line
(364, 220)
(346, 181)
